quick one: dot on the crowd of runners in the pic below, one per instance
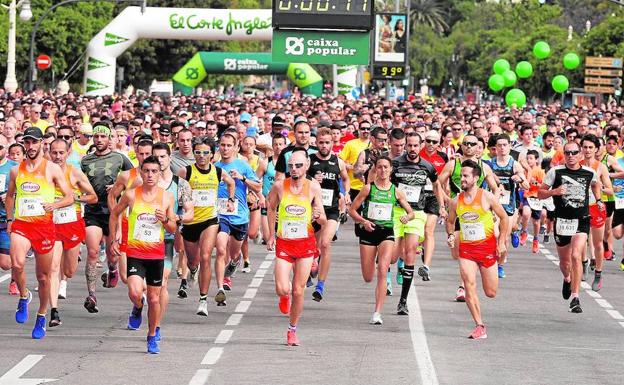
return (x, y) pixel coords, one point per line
(156, 188)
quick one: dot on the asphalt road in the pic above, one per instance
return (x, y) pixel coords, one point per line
(533, 339)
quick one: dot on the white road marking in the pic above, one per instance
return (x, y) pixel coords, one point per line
(242, 306)
(256, 282)
(5, 277)
(556, 262)
(592, 294)
(265, 264)
(615, 314)
(551, 257)
(250, 293)
(234, 320)
(200, 377)
(260, 273)
(270, 256)
(585, 286)
(603, 303)
(212, 356)
(621, 324)
(12, 377)
(419, 341)
(224, 336)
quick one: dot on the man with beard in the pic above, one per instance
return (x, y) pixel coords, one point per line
(411, 173)
(30, 204)
(328, 170)
(302, 140)
(102, 168)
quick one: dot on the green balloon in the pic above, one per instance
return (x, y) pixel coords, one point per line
(515, 97)
(560, 84)
(500, 66)
(571, 60)
(496, 82)
(541, 50)
(524, 69)
(510, 78)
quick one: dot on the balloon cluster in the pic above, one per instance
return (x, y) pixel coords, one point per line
(505, 77)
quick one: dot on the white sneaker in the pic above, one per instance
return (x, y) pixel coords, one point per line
(376, 319)
(62, 294)
(202, 309)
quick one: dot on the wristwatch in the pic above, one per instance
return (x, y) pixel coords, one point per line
(232, 199)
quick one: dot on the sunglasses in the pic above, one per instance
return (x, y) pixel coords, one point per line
(87, 136)
(457, 129)
(469, 144)
(295, 165)
(204, 153)
(364, 128)
(573, 152)
(431, 141)
(66, 137)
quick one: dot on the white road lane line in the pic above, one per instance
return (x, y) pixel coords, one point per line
(250, 293)
(615, 314)
(212, 356)
(603, 303)
(592, 294)
(419, 341)
(224, 336)
(260, 273)
(242, 306)
(256, 282)
(5, 277)
(200, 377)
(234, 320)
(265, 264)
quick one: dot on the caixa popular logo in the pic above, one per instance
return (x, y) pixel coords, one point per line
(30, 187)
(295, 209)
(148, 218)
(470, 216)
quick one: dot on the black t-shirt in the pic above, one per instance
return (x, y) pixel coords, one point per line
(411, 178)
(282, 160)
(330, 169)
(575, 202)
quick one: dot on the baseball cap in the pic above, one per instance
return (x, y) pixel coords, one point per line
(86, 128)
(34, 133)
(201, 124)
(164, 130)
(245, 117)
(182, 113)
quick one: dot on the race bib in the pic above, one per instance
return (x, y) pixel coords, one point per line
(619, 203)
(65, 215)
(412, 193)
(147, 232)
(505, 198)
(379, 211)
(3, 178)
(222, 207)
(31, 207)
(204, 198)
(535, 204)
(294, 229)
(327, 196)
(567, 227)
(472, 231)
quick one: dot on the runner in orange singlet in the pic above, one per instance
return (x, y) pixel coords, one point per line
(478, 246)
(29, 204)
(299, 203)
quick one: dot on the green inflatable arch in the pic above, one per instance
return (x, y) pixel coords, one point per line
(244, 63)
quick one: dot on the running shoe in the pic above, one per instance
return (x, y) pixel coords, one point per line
(389, 291)
(343, 218)
(13, 289)
(515, 240)
(90, 304)
(220, 298)
(192, 276)
(157, 334)
(546, 239)
(542, 230)
(112, 279)
(314, 268)
(21, 314)
(284, 304)
(566, 289)
(62, 294)
(523, 238)
(310, 282)
(104, 278)
(501, 271)
(179, 273)
(246, 267)
(39, 331)
(592, 264)
(152, 345)
(55, 319)
(478, 333)
(135, 318)
(423, 271)
(622, 264)
(399, 276)
(376, 319)
(597, 284)
(608, 255)
(575, 306)
(535, 247)
(291, 338)
(227, 284)
(402, 308)
(317, 295)
(182, 291)
(460, 296)
(202, 309)
(231, 267)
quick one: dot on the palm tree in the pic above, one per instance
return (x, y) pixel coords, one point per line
(429, 12)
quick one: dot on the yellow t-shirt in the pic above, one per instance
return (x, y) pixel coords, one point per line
(41, 124)
(350, 154)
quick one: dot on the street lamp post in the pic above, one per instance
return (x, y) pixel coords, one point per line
(10, 83)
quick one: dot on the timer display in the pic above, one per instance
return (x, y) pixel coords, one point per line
(323, 14)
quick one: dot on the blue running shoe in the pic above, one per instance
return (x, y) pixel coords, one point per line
(39, 331)
(152, 345)
(157, 334)
(318, 292)
(310, 282)
(21, 314)
(399, 275)
(501, 272)
(515, 239)
(136, 316)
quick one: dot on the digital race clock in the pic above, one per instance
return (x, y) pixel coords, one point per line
(389, 72)
(323, 14)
